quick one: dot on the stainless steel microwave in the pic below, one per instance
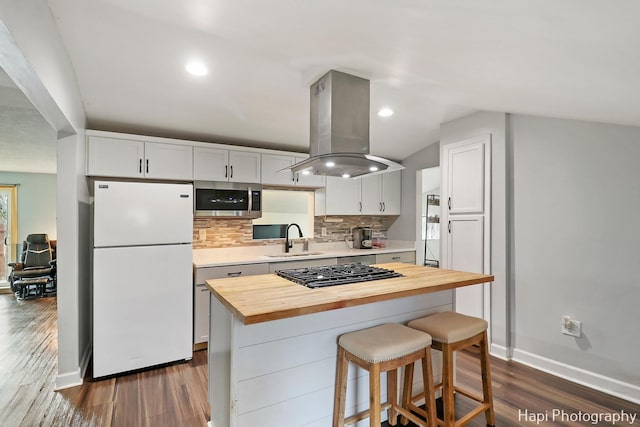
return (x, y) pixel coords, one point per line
(230, 199)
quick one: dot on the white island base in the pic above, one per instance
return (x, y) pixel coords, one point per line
(282, 372)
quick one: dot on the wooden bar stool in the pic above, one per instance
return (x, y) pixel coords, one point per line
(451, 332)
(383, 348)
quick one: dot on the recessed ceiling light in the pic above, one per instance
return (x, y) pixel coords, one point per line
(346, 175)
(373, 168)
(196, 68)
(330, 164)
(307, 172)
(385, 112)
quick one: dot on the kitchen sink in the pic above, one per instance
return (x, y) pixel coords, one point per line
(296, 254)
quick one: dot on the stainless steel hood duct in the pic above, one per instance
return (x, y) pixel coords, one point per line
(339, 140)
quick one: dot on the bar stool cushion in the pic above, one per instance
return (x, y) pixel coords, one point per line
(449, 327)
(385, 342)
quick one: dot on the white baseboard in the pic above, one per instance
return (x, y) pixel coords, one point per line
(69, 379)
(74, 378)
(500, 352)
(590, 379)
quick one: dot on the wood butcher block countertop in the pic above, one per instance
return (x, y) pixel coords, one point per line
(266, 297)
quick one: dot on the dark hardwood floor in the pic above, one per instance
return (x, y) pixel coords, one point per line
(176, 395)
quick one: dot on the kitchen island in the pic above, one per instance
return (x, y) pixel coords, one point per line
(273, 343)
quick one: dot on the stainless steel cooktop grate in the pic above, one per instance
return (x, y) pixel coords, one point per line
(331, 275)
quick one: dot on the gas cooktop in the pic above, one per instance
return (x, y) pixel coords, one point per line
(331, 275)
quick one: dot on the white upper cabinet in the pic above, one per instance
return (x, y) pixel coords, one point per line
(466, 179)
(124, 158)
(368, 195)
(380, 194)
(339, 197)
(244, 166)
(214, 164)
(308, 180)
(210, 164)
(168, 161)
(274, 172)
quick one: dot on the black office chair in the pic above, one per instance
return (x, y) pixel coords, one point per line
(35, 274)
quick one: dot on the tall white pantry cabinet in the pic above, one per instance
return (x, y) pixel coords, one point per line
(466, 246)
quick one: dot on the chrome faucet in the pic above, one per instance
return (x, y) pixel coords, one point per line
(288, 245)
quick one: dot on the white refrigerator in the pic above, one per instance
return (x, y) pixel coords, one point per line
(142, 275)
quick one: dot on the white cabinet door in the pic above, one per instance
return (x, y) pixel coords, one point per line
(168, 161)
(342, 196)
(200, 313)
(115, 157)
(466, 178)
(370, 195)
(408, 257)
(391, 193)
(314, 181)
(466, 246)
(274, 172)
(210, 164)
(466, 252)
(244, 166)
(125, 158)
(201, 293)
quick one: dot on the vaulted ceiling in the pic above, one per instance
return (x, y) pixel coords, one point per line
(430, 61)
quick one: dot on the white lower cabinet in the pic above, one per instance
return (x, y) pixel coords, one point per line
(408, 257)
(201, 293)
(367, 195)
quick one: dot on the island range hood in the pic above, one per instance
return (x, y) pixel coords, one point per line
(339, 139)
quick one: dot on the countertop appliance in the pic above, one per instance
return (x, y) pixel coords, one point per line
(331, 275)
(227, 199)
(142, 275)
(362, 238)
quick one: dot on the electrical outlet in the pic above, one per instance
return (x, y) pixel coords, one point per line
(323, 231)
(202, 235)
(571, 327)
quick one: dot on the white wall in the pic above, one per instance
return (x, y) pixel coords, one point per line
(408, 224)
(33, 55)
(576, 204)
(36, 202)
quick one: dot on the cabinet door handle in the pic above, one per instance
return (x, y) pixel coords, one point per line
(140, 166)
(234, 274)
(384, 207)
(380, 207)
(360, 208)
(395, 258)
(449, 203)
(231, 175)
(226, 171)
(449, 227)
(147, 165)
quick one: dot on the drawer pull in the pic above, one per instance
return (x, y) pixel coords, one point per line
(204, 290)
(200, 285)
(235, 274)
(395, 257)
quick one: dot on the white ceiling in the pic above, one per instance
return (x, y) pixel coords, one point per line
(27, 141)
(431, 61)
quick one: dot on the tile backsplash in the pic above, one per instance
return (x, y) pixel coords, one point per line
(224, 233)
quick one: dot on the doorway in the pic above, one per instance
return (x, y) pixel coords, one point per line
(8, 231)
(428, 247)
